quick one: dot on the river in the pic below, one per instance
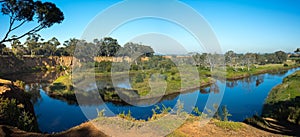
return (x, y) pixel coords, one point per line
(243, 98)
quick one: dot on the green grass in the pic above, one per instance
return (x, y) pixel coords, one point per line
(174, 82)
(229, 125)
(257, 69)
(62, 86)
(283, 102)
(288, 90)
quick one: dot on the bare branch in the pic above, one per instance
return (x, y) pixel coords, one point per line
(11, 22)
(32, 31)
(18, 25)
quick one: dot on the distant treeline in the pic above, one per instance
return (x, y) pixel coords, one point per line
(35, 45)
(109, 47)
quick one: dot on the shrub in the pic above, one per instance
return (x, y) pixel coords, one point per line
(285, 65)
(139, 78)
(13, 114)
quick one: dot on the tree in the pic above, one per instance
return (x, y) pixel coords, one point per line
(139, 49)
(212, 60)
(33, 44)
(70, 46)
(109, 46)
(17, 48)
(21, 12)
(231, 59)
(2, 46)
(50, 46)
(249, 59)
(281, 56)
(297, 50)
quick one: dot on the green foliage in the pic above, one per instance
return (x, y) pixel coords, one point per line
(165, 110)
(12, 113)
(139, 78)
(197, 111)
(20, 84)
(45, 13)
(104, 66)
(126, 116)
(225, 113)
(283, 102)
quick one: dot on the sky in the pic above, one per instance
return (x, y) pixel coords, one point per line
(258, 26)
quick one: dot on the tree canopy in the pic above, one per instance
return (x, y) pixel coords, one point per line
(21, 12)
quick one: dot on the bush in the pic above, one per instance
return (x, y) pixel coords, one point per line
(139, 78)
(13, 114)
(285, 65)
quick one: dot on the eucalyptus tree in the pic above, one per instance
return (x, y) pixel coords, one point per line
(50, 46)
(33, 44)
(281, 56)
(21, 12)
(230, 58)
(17, 48)
(70, 46)
(109, 46)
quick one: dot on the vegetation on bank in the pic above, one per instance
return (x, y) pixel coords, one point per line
(283, 102)
(13, 113)
(231, 74)
(15, 106)
(156, 77)
(161, 120)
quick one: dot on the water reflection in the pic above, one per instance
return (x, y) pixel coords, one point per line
(247, 82)
(57, 114)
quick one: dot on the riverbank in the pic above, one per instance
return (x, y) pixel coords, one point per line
(283, 102)
(189, 128)
(259, 69)
(281, 111)
(16, 108)
(63, 89)
(146, 86)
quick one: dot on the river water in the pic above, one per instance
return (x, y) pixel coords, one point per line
(243, 98)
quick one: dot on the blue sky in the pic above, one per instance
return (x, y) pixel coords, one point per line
(240, 25)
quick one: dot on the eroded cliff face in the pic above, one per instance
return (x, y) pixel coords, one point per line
(11, 65)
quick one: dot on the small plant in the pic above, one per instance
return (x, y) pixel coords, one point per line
(165, 110)
(225, 113)
(20, 83)
(196, 110)
(126, 116)
(26, 121)
(101, 113)
(179, 107)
